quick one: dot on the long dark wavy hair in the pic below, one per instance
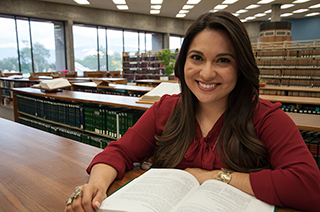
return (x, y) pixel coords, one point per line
(238, 145)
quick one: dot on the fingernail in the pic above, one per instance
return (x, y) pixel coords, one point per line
(97, 204)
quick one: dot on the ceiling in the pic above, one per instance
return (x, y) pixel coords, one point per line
(170, 8)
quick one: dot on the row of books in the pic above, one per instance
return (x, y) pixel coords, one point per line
(297, 63)
(146, 72)
(14, 84)
(298, 108)
(109, 91)
(287, 53)
(104, 120)
(148, 58)
(6, 92)
(291, 73)
(6, 101)
(77, 135)
(312, 140)
(289, 93)
(300, 83)
(142, 65)
(110, 121)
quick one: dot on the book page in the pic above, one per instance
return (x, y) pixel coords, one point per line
(216, 196)
(157, 190)
(161, 89)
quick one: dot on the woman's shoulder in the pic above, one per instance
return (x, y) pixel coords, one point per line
(166, 102)
(266, 108)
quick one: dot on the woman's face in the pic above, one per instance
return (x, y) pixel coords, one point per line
(211, 70)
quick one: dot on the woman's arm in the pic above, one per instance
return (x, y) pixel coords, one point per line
(238, 180)
(95, 191)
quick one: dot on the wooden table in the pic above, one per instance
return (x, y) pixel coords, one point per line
(292, 99)
(113, 86)
(40, 170)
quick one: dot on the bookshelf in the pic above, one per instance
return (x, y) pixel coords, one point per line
(141, 66)
(81, 116)
(289, 63)
(290, 91)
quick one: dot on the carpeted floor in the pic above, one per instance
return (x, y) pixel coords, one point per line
(6, 112)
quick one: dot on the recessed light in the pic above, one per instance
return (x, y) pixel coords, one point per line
(242, 11)
(243, 20)
(314, 6)
(260, 15)
(286, 6)
(156, 1)
(183, 11)
(300, 11)
(250, 18)
(286, 14)
(229, 2)
(122, 7)
(265, 1)
(300, 1)
(312, 14)
(187, 7)
(268, 11)
(220, 7)
(252, 6)
(154, 11)
(119, 1)
(213, 11)
(193, 1)
(235, 14)
(82, 1)
(155, 7)
(180, 15)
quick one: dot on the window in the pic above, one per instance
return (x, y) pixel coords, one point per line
(281, 33)
(115, 49)
(269, 33)
(175, 42)
(31, 45)
(102, 52)
(131, 41)
(85, 48)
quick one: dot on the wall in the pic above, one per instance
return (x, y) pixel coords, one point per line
(305, 28)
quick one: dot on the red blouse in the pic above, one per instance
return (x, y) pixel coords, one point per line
(293, 181)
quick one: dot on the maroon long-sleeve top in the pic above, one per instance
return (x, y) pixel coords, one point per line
(293, 181)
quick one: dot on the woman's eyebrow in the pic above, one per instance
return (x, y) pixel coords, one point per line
(218, 55)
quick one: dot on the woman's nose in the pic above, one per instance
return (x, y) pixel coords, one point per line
(208, 71)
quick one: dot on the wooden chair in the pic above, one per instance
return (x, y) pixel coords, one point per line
(69, 74)
(10, 74)
(98, 74)
(115, 74)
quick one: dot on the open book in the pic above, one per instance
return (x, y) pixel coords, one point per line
(175, 190)
(53, 84)
(155, 94)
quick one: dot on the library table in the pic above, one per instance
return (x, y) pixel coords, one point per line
(113, 87)
(292, 99)
(40, 170)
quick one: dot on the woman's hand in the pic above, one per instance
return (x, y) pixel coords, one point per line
(89, 200)
(202, 174)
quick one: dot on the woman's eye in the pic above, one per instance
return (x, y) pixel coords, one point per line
(224, 60)
(196, 57)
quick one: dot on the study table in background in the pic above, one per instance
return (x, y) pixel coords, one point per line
(40, 170)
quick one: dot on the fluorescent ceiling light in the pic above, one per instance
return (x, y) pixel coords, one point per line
(154, 11)
(180, 15)
(235, 14)
(122, 7)
(300, 11)
(250, 18)
(213, 11)
(220, 7)
(242, 11)
(286, 6)
(268, 11)
(156, 1)
(286, 14)
(119, 1)
(314, 6)
(82, 1)
(243, 20)
(193, 1)
(265, 1)
(155, 7)
(183, 11)
(229, 2)
(252, 6)
(312, 14)
(187, 7)
(260, 15)
(300, 1)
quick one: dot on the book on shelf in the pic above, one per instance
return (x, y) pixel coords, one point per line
(155, 94)
(172, 190)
